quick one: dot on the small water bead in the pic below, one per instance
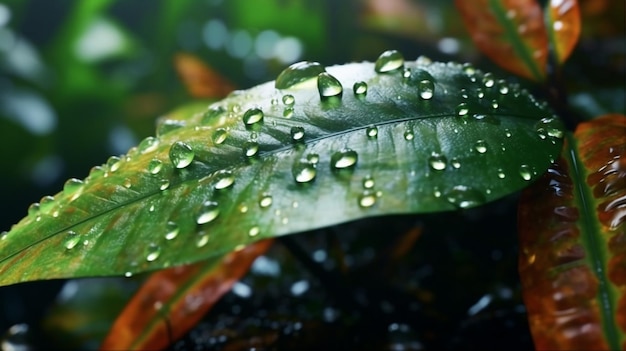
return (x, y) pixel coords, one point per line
(168, 126)
(423, 60)
(328, 86)
(456, 164)
(304, 171)
(501, 174)
(72, 239)
(551, 127)
(313, 158)
(503, 88)
(46, 204)
(297, 73)
(480, 93)
(494, 104)
(254, 231)
(220, 136)
(359, 88)
(408, 135)
(468, 69)
(406, 73)
(171, 230)
(155, 166)
(243, 208)
(437, 161)
(288, 100)
(164, 184)
(3, 235)
(203, 239)
(488, 80)
(114, 163)
(368, 182)
(480, 146)
(367, 199)
(388, 61)
(371, 131)
(181, 154)
(148, 144)
(209, 210)
(33, 209)
(212, 113)
(127, 183)
(265, 200)
(288, 112)
(224, 179)
(507, 133)
(153, 251)
(344, 158)
(464, 196)
(253, 116)
(525, 172)
(251, 148)
(297, 133)
(462, 109)
(72, 186)
(426, 89)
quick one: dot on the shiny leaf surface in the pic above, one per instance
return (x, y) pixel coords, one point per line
(572, 225)
(563, 25)
(353, 141)
(510, 32)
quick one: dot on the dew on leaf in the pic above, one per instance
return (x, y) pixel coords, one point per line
(388, 61)
(456, 164)
(503, 87)
(164, 184)
(488, 80)
(114, 163)
(297, 73)
(464, 196)
(367, 199)
(254, 231)
(525, 172)
(219, 136)
(371, 131)
(406, 73)
(423, 60)
(72, 186)
(368, 182)
(297, 133)
(148, 144)
(408, 135)
(203, 239)
(480, 146)
(437, 161)
(288, 100)
(71, 240)
(468, 69)
(288, 112)
(209, 210)
(154, 166)
(265, 200)
(462, 109)
(551, 127)
(501, 174)
(224, 179)
(212, 113)
(253, 116)
(328, 86)
(343, 158)
(181, 154)
(127, 183)
(359, 88)
(153, 251)
(34, 209)
(45, 204)
(251, 148)
(426, 89)
(313, 158)
(171, 230)
(304, 171)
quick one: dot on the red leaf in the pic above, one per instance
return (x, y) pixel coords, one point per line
(172, 301)
(510, 32)
(200, 79)
(563, 24)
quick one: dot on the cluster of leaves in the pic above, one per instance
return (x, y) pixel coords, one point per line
(326, 145)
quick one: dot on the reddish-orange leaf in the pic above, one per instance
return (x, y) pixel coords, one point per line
(563, 24)
(200, 79)
(172, 301)
(510, 32)
(572, 225)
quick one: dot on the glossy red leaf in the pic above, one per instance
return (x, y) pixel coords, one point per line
(510, 32)
(172, 301)
(572, 225)
(563, 25)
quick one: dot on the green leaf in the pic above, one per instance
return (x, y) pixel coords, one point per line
(266, 162)
(572, 225)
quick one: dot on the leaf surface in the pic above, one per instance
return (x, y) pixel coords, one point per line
(563, 25)
(273, 161)
(172, 301)
(572, 226)
(510, 32)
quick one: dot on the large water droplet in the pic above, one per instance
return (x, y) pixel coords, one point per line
(148, 144)
(344, 158)
(72, 186)
(437, 161)
(251, 148)
(153, 251)
(328, 86)
(181, 154)
(298, 73)
(389, 60)
(464, 196)
(525, 172)
(304, 171)
(480, 146)
(265, 200)
(359, 88)
(208, 212)
(114, 163)
(224, 179)
(171, 230)
(297, 133)
(154, 166)
(168, 126)
(426, 89)
(253, 116)
(71, 239)
(288, 100)
(371, 131)
(220, 136)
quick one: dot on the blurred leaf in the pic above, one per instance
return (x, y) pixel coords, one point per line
(563, 25)
(510, 32)
(172, 301)
(572, 226)
(200, 79)
(266, 162)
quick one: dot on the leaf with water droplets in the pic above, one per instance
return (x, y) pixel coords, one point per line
(572, 228)
(510, 32)
(563, 24)
(221, 176)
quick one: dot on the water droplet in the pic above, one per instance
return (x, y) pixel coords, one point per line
(494, 104)
(181, 154)
(304, 171)
(551, 127)
(455, 163)
(344, 158)
(298, 73)
(288, 100)
(220, 136)
(426, 89)
(224, 179)
(254, 231)
(408, 135)
(371, 131)
(503, 87)
(251, 148)
(501, 174)
(525, 172)
(462, 109)
(423, 60)
(507, 133)
(367, 199)
(464, 196)
(164, 184)
(153, 251)
(171, 230)
(368, 182)
(212, 113)
(127, 183)
(288, 112)
(71, 240)
(148, 144)
(265, 200)
(488, 80)
(45, 204)
(328, 86)
(389, 60)
(406, 73)
(168, 126)
(480, 93)
(155, 166)
(253, 116)
(297, 133)
(33, 209)
(72, 186)
(114, 163)
(437, 161)
(480, 146)
(208, 212)
(468, 69)
(203, 239)
(313, 158)
(359, 88)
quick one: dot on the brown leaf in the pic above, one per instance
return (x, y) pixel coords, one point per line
(201, 80)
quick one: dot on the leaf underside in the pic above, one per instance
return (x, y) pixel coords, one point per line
(430, 137)
(572, 225)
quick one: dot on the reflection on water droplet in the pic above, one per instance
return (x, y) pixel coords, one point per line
(127, 184)
(468, 69)
(388, 61)
(551, 127)
(297, 133)
(208, 212)
(33, 209)
(408, 135)
(464, 196)
(72, 186)
(155, 166)
(288, 100)
(254, 231)
(148, 144)
(46, 204)
(406, 73)
(426, 89)
(153, 252)
(71, 239)
(298, 73)
(525, 172)
(437, 161)
(344, 158)
(304, 171)
(455, 163)
(164, 184)
(203, 239)
(367, 199)
(114, 163)
(253, 116)
(220, 136)
(371, 131)
(171, 230)
(181, 154)
(368, 182)
(265, 200)
(480, 146)
(501, 174)
(251, 148)
(462, 109)
(288, 112)
(224, 179)
(488, 80)
(328, 86)
(359, 88)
